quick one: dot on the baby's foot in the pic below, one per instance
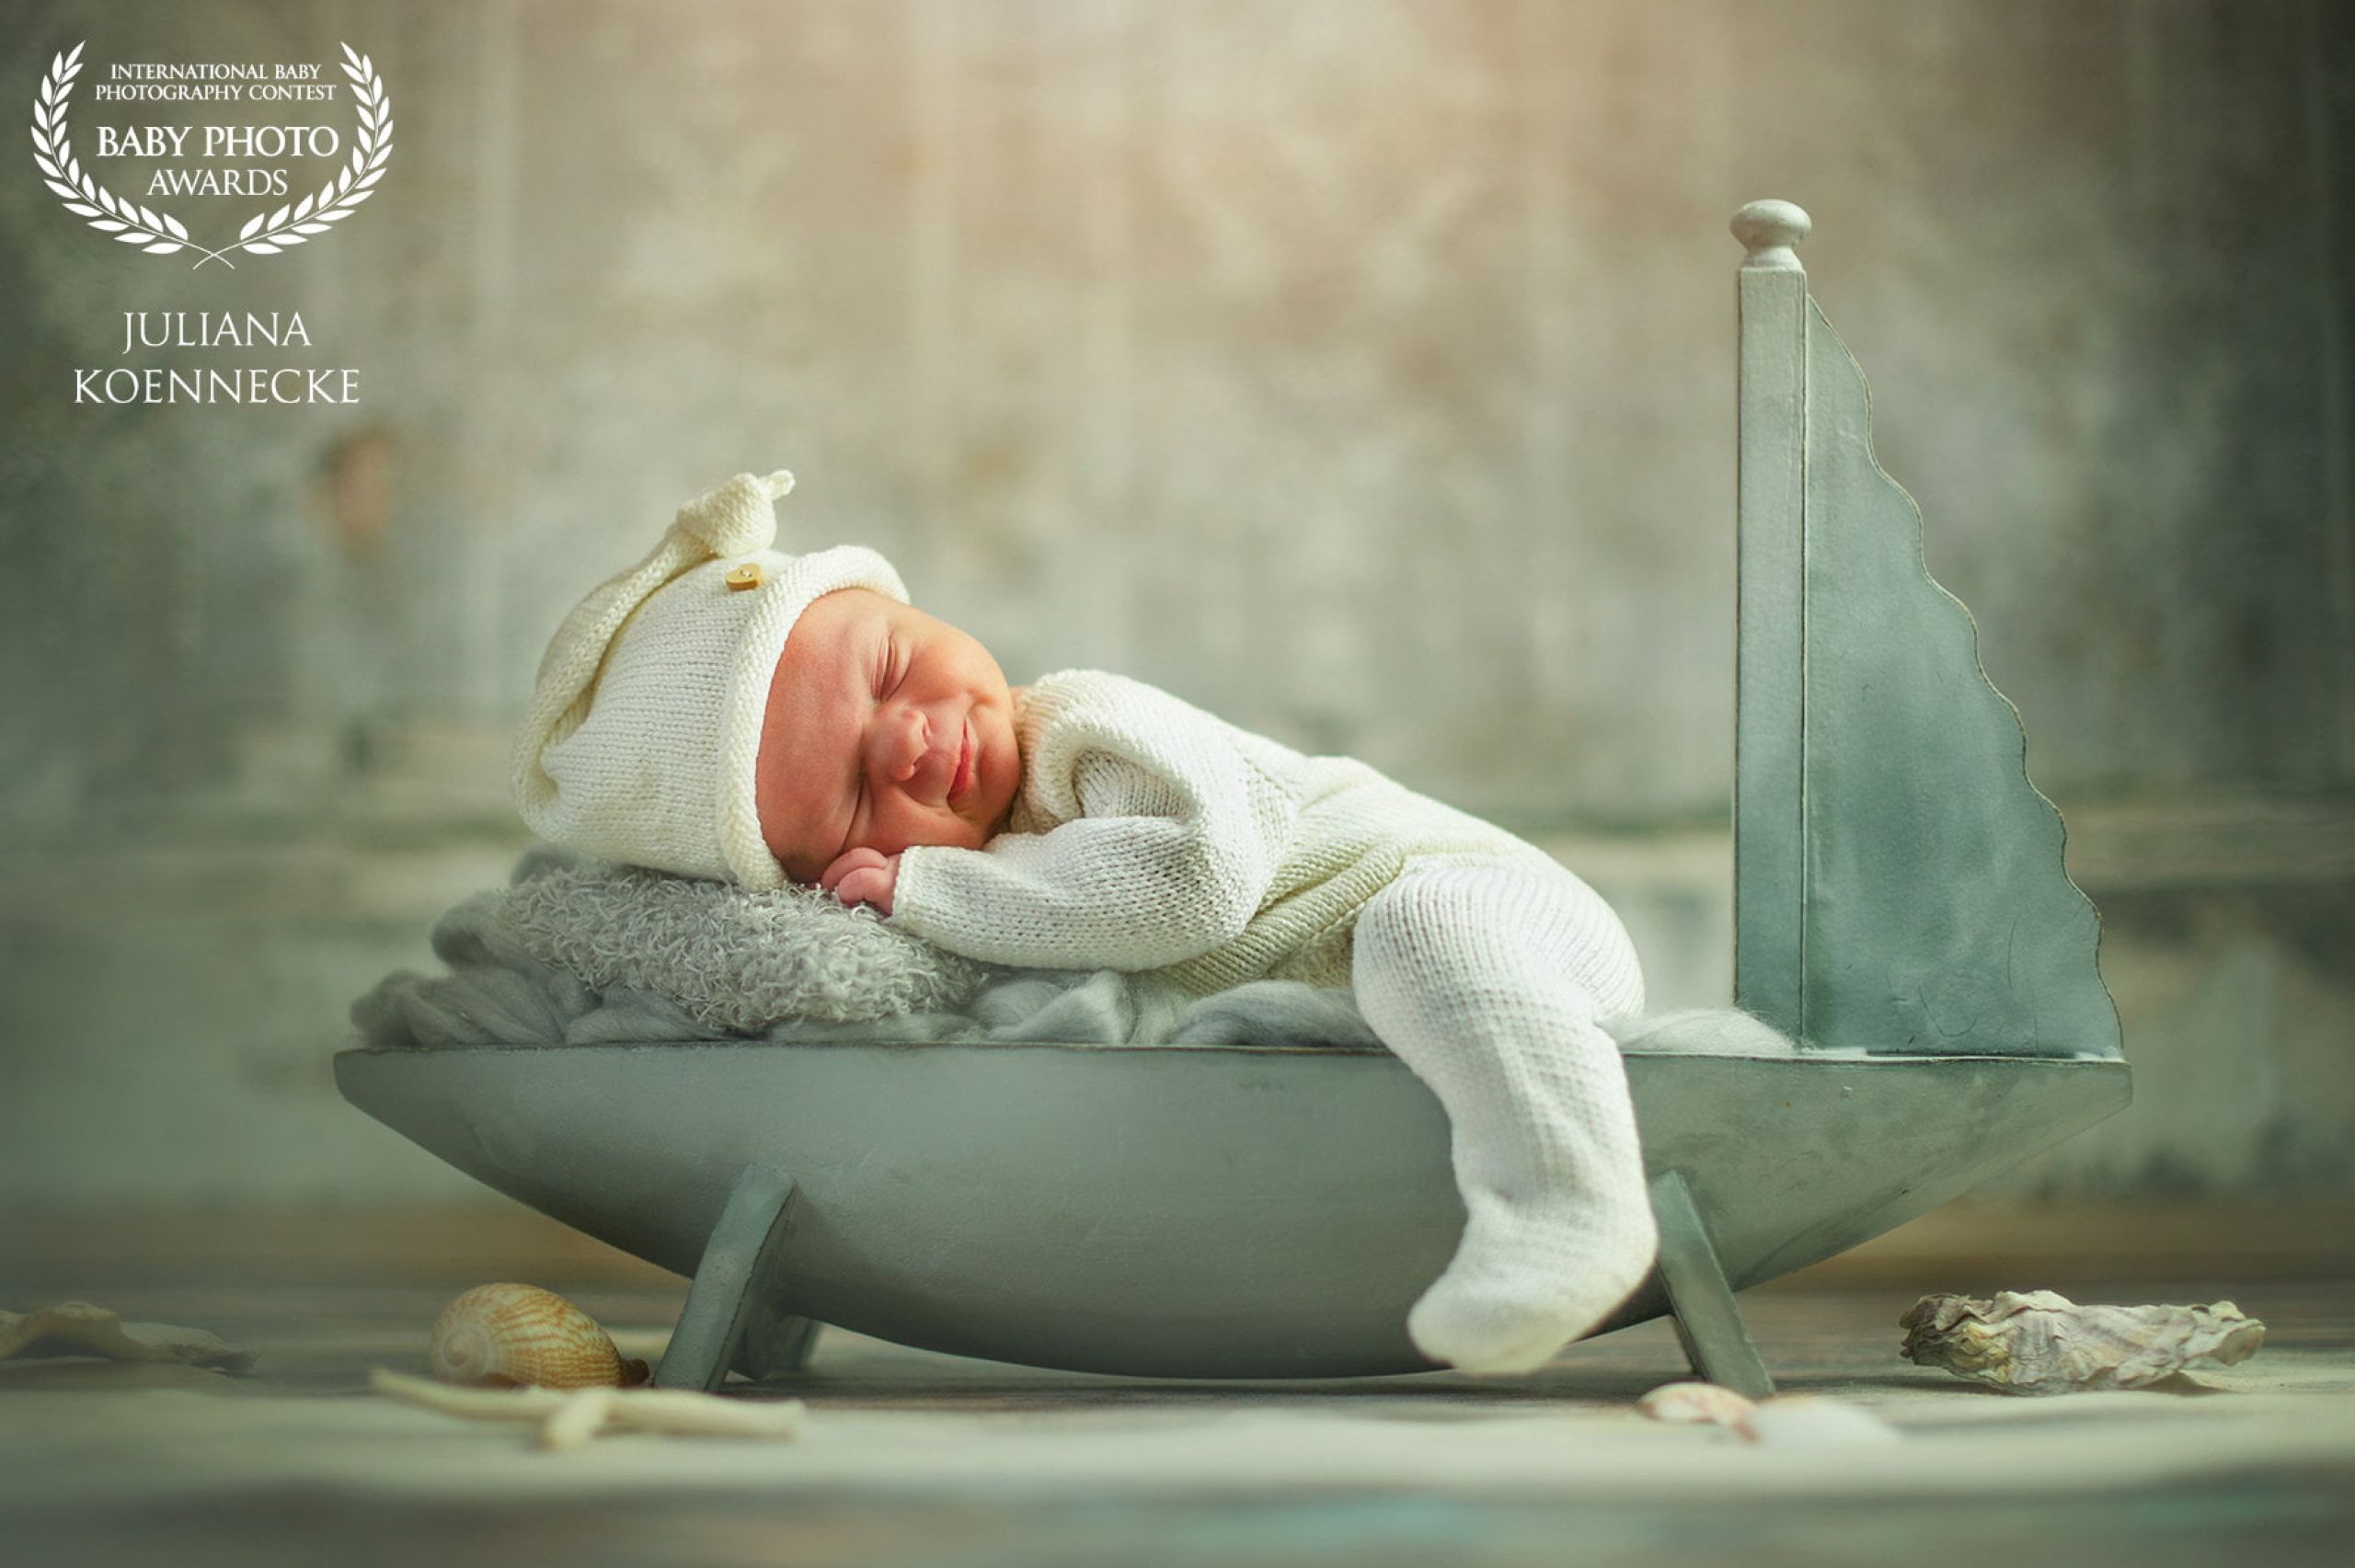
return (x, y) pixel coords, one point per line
(1520, 1288)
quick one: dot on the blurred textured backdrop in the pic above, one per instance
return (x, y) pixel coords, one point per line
(1360, 370)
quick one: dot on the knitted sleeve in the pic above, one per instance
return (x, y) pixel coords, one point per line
(1163, 840)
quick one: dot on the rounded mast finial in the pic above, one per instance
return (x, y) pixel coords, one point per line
(1768, 230)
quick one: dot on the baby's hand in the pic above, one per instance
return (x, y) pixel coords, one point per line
(863, 877)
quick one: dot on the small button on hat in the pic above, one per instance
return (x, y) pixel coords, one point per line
(644, 727)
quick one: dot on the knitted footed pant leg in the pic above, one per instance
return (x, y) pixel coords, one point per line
(1487, 981)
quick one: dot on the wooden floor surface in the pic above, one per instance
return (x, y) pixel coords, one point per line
(910, 1457)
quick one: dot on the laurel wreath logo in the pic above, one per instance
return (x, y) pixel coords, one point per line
(160, 234)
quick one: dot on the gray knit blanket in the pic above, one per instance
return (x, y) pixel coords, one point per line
(575, 951)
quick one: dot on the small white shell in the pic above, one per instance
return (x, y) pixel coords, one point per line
(1696, 1403)
(1800, 1421)
(2039, 1342)
(519, 1335)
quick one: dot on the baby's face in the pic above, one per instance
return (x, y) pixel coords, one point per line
(885, 727)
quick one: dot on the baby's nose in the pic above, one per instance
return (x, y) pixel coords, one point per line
(907, 740)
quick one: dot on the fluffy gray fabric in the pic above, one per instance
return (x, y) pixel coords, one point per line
(580, 952)
(734, 960)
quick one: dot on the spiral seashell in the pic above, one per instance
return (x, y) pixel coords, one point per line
(507, 1337)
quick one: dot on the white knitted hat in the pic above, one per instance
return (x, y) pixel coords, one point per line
(644, 723)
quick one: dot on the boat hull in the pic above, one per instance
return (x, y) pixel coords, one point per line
(1165, 1211)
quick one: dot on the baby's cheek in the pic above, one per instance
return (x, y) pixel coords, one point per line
(784, 834)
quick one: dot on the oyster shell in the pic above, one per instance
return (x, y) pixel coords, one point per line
(2039, 1342)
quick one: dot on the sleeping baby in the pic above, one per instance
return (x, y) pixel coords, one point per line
(725, 709)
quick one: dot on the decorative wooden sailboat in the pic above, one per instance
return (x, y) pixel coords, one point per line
(1901, 908)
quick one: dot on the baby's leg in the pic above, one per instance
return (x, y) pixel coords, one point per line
(1487, 980)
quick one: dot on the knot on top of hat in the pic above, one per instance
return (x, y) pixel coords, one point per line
(737, 517)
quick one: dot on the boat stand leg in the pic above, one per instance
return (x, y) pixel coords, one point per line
(727, 1322)
(776, 1344)
(1708, 1325)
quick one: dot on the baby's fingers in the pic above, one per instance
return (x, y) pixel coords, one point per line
(867, 884)
(859, 859)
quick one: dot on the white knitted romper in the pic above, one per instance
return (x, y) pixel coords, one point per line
(1149, 835)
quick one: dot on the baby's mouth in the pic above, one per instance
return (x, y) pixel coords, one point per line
(962, 779)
